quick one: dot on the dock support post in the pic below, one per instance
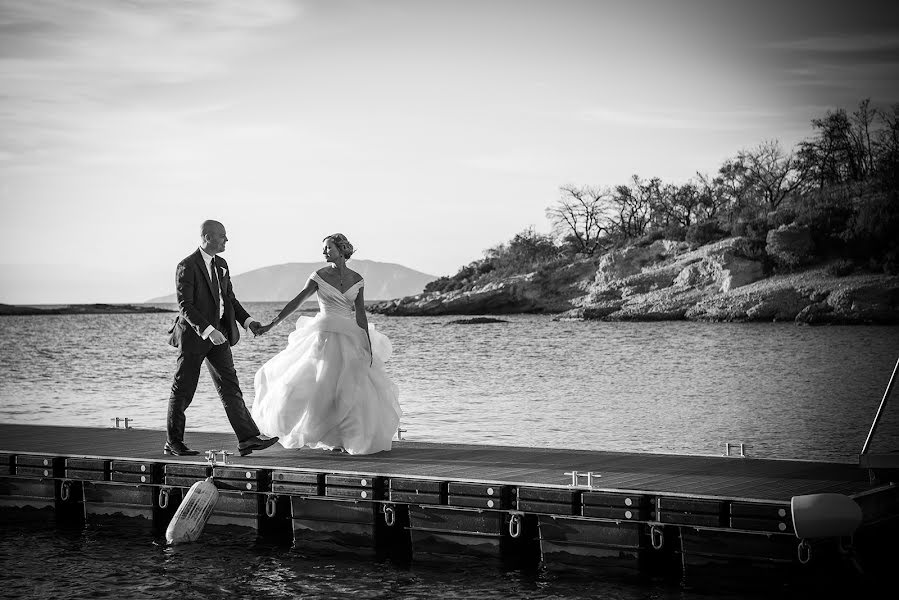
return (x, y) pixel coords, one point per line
(165, 502)
(275, 523)
(393, 540)
(520, 542)
(661, 556)
(69, 503)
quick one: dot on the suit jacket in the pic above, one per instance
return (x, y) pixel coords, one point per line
(198, 305)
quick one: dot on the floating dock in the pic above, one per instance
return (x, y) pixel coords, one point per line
(708, 521)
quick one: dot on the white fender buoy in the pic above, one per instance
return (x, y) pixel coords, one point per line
(193, 512)
(825, 515)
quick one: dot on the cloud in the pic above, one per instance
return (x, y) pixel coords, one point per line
(839, 68)
(682, 119)
(866, 44)
(117, 41)
(70, 68)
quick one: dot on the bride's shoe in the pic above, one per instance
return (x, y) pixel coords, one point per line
(339, 450)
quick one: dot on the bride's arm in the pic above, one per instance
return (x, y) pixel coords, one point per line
(311, 288)
(362, 320)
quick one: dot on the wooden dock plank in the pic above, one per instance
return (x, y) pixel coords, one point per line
(714, 476)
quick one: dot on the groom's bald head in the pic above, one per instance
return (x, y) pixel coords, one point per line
(209, 227)
(212, 237)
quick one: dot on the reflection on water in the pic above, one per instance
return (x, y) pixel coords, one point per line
(41, 562)
(786, 391)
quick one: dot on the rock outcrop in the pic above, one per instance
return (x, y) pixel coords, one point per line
(81, 309)
(723, 281)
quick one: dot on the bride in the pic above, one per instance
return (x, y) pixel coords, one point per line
(328, 387)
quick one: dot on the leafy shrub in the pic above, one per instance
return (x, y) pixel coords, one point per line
(781, 216)
(464, 278)
(754, 229)
(675, 233)
(703, 233)
(826, 213)
(751, 248)
(650, 236)
(873, 230)
(890, 262)
(840, 268)
(523, 253)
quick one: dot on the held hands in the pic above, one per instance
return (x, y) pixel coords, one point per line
(262, 329)
(259, 329)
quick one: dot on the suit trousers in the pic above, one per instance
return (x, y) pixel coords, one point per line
(220, 364)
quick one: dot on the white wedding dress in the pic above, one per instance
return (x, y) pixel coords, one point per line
(320, 390)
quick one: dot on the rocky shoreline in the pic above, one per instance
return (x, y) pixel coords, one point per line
(726, 281)
(80, 309)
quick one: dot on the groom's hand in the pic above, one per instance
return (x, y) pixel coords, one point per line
(217, 337)
(256, 328)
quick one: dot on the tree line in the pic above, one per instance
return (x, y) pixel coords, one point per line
(841, 184)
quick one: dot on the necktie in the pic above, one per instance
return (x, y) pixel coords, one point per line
(216, 287)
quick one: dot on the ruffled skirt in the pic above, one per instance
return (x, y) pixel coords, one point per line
(321, 392)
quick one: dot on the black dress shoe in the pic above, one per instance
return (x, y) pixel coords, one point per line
(256, 443)
(178, 449)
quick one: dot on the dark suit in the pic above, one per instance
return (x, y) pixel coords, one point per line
(198, 302)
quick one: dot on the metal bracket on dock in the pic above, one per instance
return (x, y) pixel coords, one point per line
(576, 478)
(118, 420)
(728, 446)
(212, 457)
(399, 433)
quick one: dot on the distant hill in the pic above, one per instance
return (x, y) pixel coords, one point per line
(383, 281)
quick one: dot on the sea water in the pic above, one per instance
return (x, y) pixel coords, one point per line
(784, 391)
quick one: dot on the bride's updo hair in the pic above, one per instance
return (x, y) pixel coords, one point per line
(343, 244)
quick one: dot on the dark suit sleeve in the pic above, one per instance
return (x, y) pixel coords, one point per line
(185, 283)
(240, 315)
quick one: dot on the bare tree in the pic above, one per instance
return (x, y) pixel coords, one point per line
(844, 147)
(860, 134)
(580, 215)
(715, 196)
(886, 147)
(681, 204)
(774, 174)
(634, 205)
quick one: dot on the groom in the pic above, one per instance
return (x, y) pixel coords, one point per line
(205, 329)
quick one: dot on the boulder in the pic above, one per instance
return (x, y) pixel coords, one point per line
(817, 313)
(866, 303)
(618, 264)
(790, 246)
(737, 272)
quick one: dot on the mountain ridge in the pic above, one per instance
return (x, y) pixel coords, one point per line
(281, 282)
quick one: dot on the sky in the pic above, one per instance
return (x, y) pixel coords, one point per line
(426, 131)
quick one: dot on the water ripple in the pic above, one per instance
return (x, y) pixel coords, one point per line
(784, 390)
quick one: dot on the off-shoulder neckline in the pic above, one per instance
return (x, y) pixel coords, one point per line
(333, 287)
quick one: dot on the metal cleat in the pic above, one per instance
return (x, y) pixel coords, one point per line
(576, 479)
(212, 457)
(729, 445)
(118, 421)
